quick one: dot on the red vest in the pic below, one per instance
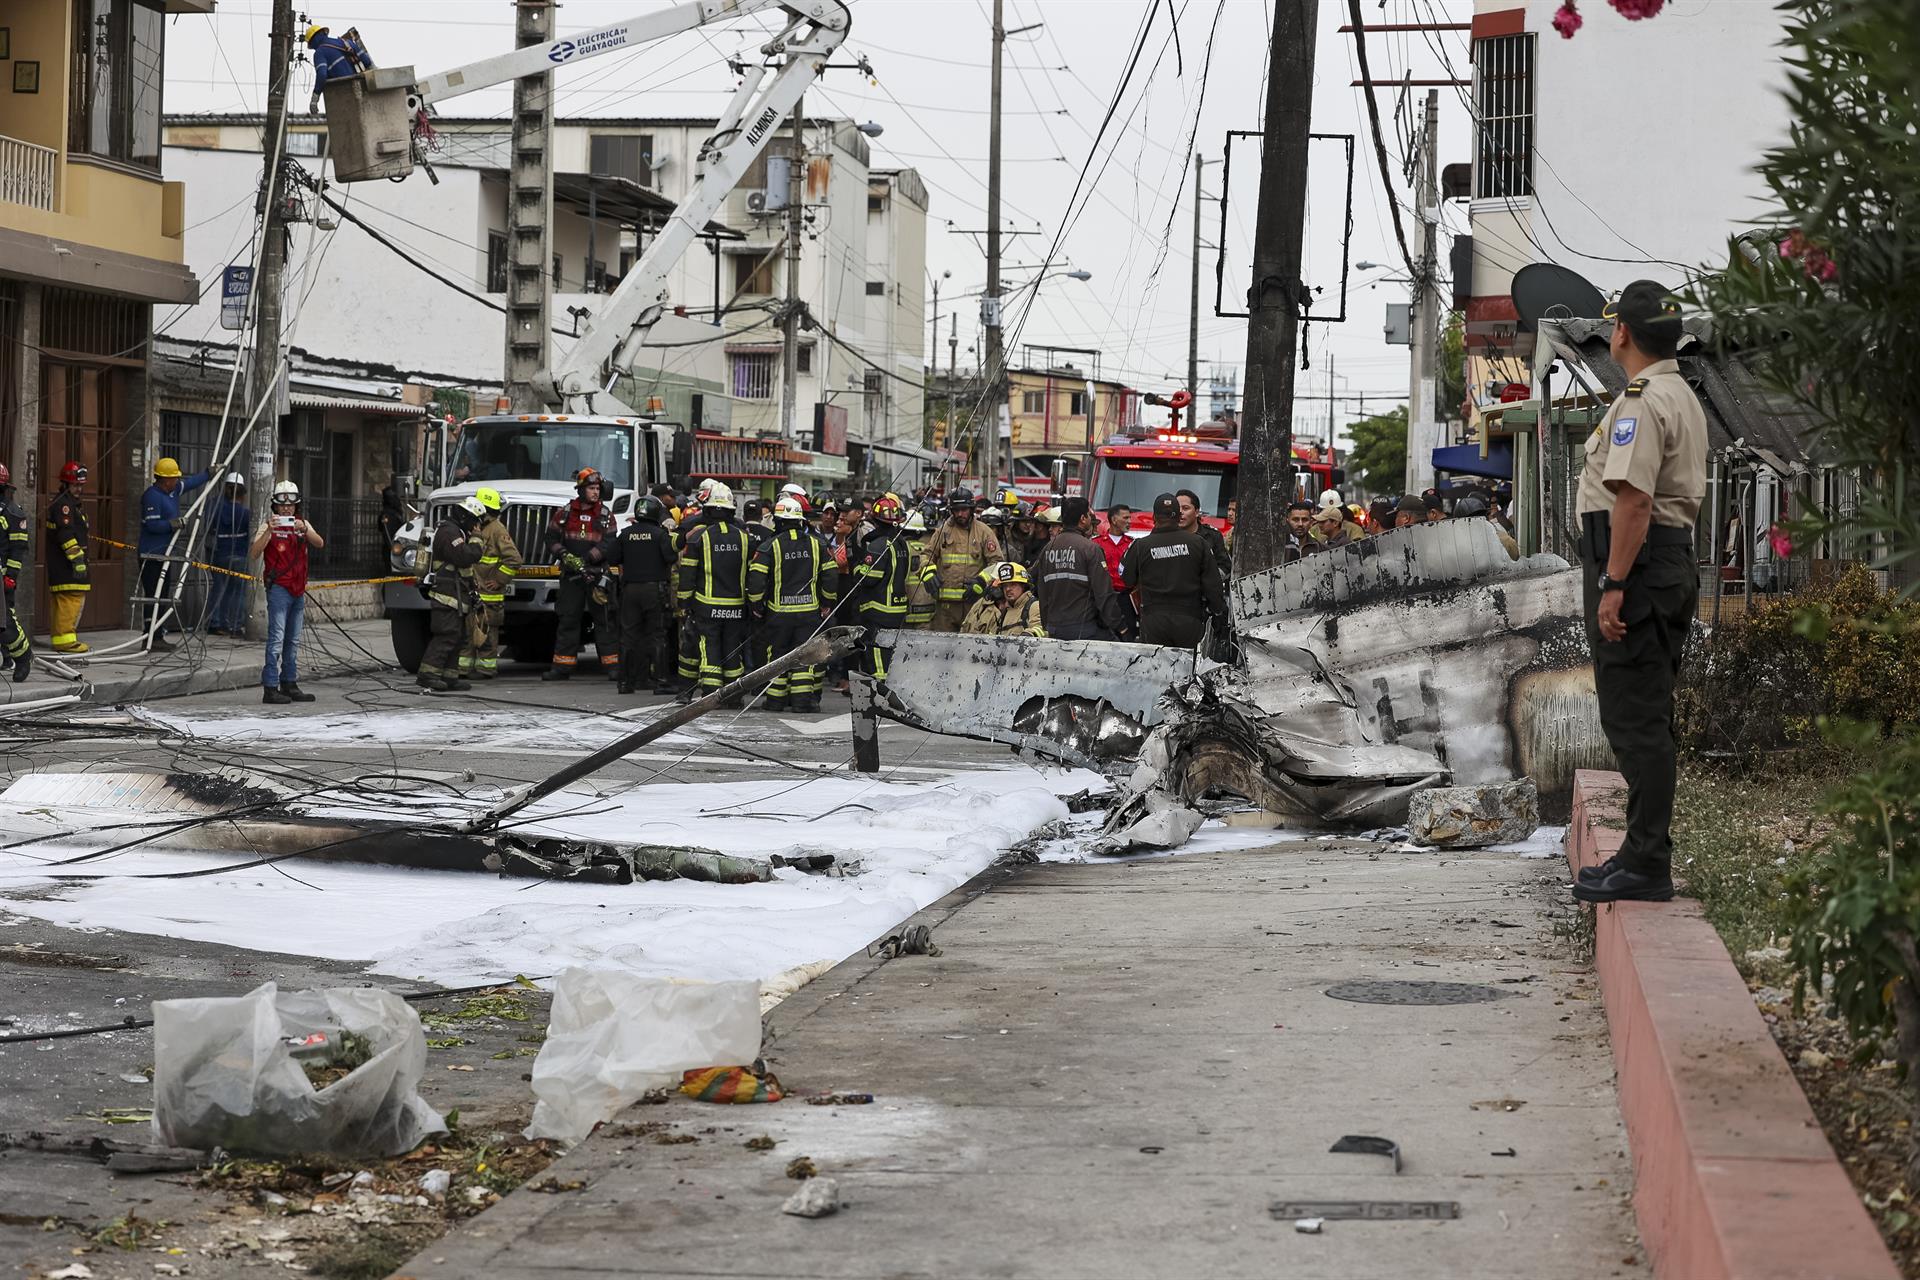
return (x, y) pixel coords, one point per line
(286, 560)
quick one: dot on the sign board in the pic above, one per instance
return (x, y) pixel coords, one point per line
(236, 285)
(830, 429)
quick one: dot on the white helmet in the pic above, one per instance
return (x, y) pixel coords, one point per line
(788, 509)
(1331, 496)
(472, 505)
(712, 493)
(793, 491)
(916, 522)
(286, 491)
(234, 477)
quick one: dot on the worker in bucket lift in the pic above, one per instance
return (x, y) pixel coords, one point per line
(448, 587)
(14, 643)
(790, 584)
(712, 589)
(334, 58)
(578, 538)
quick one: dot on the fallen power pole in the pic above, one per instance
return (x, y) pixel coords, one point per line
(836, 642)
(1278, 296)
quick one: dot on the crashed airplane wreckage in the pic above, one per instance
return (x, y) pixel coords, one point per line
(244, 811)
(1420, 657)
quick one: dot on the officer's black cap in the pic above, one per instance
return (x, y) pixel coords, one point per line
(1412, 503)
(1166, 506)
(1646, 307)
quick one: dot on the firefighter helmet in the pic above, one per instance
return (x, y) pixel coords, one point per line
(166, 469)
(1049, 516)
(286, 491)
(472, 505)
(584, 477)
(886, 509)
(1023, 511)
(489, 499)
(1009, 572)
(960, 498)
(712, 493)
(916, 521)
(73, 473)
(789, 509)
(6, 477)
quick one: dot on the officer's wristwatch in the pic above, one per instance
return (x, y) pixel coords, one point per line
(1611, 583)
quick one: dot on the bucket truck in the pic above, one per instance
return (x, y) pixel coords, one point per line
(378, 122)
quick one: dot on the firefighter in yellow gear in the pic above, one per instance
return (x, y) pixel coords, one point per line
(1006, 605)
(954, 555)
(921, 601)
(68, 580)
(492, 574)
(790, 583)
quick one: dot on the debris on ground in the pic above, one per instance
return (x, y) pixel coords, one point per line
(1308, 1226)
(914, 940)
(1474, 817)
(225, 1074)
(762, 1142)
(840, 1100)
(613, 1036)
(801, 1168)
(1363, 1144)
(731, 1084)
(817, 1198)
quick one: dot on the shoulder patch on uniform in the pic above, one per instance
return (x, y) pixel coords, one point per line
(1635, 387)
(1623, 429)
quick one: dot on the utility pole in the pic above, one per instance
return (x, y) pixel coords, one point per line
(263, 382)
(790, 328)
(1332, 392)
(1278, 296)
(953, 371)
(530, 217)
(990, 315)
(1193, 306)
(1423, 432)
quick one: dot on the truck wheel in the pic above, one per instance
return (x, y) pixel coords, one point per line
(410, 636)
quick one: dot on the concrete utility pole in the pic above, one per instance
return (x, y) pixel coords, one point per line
(953, 371)
(990, 315)
(790, 327)
(1423, 431)
(263, 383)
(529, 217)
(1278, 296)
(1193, 306)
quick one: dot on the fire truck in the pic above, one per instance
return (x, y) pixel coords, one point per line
(1146, 461)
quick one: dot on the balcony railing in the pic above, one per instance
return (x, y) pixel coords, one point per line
(26, 173)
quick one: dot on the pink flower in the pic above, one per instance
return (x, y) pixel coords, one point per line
(1634, 10)
(1567, 20)
(1780, 541)
(1828, 270)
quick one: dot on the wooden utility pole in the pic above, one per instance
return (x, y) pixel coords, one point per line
(530, 217)
(990, 313)
(790, 329)
(1278, 296)
(263, 369)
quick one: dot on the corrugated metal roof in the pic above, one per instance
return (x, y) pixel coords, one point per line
(355, 404)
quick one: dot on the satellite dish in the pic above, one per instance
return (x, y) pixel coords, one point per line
(1548, 291)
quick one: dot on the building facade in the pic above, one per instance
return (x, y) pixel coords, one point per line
(1663, 181)
(91, 238)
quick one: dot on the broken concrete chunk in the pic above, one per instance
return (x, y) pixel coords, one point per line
(1474, 817)
(1164, 825)
(817, 1198)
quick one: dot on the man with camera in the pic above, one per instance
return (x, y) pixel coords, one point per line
(281, 546)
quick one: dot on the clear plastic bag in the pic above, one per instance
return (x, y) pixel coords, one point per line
(224, 1074)
(614, 1035)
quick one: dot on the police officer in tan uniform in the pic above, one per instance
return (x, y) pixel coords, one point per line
(1640, 491)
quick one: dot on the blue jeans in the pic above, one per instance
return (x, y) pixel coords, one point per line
(286, 613)
(227, 596)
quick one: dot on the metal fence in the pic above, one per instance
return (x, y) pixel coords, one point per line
(27, 174)
(356, 544)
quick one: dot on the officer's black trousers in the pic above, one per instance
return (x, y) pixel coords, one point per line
(1168, 625)
(644, 610)
(1635, 679)
(574, 603)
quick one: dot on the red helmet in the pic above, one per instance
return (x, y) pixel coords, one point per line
(586, 476)
(6, 476)
(887, 510)
(73, 473)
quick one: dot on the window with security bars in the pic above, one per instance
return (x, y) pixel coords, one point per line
(752, 375)
(188, 438)
(1503, 102)
(1033, 402)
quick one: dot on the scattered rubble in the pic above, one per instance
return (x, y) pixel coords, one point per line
(817, 1198)
(1474, 817)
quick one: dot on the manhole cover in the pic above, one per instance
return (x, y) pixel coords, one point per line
(1391, 992)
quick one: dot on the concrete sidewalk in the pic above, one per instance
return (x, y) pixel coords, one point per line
(117, 670)
(1115, 1070)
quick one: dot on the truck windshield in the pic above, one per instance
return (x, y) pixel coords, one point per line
(1137, 482)
(544, 451)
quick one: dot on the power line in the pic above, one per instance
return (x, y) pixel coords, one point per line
(1373, 119)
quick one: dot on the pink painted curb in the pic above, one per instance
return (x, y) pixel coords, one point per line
(1733, 1176)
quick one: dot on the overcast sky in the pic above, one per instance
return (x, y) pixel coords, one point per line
(931, 60)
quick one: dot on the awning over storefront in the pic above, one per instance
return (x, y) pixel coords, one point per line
(355, 404)
(1465, 460)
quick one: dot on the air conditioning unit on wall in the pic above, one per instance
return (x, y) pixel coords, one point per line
(756, 202)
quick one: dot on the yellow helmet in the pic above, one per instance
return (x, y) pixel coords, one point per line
(1010, 571)
(489, 498)
(315, 30)
(167, 469)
